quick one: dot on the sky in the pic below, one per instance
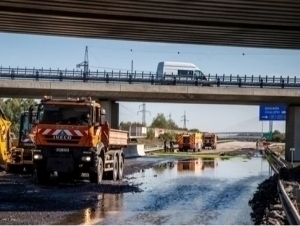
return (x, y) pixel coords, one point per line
(18, 50)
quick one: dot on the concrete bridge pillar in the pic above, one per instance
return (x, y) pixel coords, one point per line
(112, 113)
(292, 133)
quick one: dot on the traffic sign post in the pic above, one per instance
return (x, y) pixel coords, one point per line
(272, 112)
(292, 150)
(268, 136)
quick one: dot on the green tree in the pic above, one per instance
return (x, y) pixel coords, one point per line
(278, 137)
(194, 131)
(126, 125)
(12, 108)
(172, 124)
(150, 134)
(168, 136)
(159, 121)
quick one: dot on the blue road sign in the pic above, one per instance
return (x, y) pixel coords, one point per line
(272, 112)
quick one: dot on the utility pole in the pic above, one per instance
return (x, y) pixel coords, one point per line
(144, 112)
(270, 126)
(184, 120)
(85, 63)
(131, 67)
(170, 117)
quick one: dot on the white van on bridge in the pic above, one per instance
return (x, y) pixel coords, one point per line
(182, 71)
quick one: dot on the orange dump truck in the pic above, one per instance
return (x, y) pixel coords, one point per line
(73, 137)
(210, 140)
(189, 141)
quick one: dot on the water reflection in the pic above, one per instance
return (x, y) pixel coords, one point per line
(196, 165)
(105, 205)
(211, 190)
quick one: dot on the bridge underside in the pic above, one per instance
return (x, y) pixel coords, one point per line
(264, 23)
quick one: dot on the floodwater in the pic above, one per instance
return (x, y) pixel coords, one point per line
(201, 191)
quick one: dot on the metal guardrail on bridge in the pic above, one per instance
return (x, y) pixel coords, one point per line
(146, 78)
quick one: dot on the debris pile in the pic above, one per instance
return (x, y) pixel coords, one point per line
(292, 174)
(266, 206)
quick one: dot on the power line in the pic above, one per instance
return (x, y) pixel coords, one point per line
(184, 120)
(144, 113)
(134, 113)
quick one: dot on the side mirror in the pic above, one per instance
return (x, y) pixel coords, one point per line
(102, 120)
(30, 115)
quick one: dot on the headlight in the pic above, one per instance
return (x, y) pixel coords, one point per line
(86, 158)
(37, 156)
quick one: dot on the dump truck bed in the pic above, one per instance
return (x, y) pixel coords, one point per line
(118, 137)
(113, 137)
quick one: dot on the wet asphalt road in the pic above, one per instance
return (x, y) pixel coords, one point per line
(22, 201)
(201, 192)
(206, 191)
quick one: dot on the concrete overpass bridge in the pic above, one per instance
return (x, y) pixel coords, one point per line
(226, 90)
(264, 23)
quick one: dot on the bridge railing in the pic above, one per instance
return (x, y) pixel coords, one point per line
(150, 78)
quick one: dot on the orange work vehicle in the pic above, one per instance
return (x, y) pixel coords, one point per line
(210, 140)
(189, 141)
(17, 151)
(72, 137)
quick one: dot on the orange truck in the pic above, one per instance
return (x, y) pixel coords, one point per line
(73, 137)
(189, 141)
(210, 140)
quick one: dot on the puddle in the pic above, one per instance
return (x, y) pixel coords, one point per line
(209, 191)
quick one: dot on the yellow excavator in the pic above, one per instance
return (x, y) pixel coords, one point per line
(16, 152)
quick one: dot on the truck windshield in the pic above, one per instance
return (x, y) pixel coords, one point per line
(62, 114)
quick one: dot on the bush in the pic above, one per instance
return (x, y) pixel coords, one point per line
(150, 134)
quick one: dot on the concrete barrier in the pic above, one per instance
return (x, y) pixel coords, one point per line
(134, 150)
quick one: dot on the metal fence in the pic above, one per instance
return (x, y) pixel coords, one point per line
(147, 78)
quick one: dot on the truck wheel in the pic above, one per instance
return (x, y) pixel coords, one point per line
(29, 169)
(120, 168)
(42, 175)
(96, 177)
(16, 169)
(113, 175)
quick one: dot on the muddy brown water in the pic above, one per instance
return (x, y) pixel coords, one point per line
(199, 191)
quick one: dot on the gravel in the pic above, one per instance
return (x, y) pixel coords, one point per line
(266, 206)
(22, 201)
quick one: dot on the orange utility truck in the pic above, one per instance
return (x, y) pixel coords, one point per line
(189, 141)
(210, 140)
(73, 137)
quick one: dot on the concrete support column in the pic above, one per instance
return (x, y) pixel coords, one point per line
(112, 113)
(292, 133)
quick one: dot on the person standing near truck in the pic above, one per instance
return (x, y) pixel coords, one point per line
(171, 146)
(165, 145)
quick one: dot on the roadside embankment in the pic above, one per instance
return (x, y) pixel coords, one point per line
(266, 205)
